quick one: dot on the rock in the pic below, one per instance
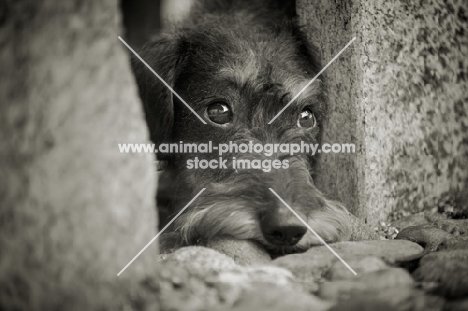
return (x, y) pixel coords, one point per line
(427, 235)
(201, 260)
(307, 269)
(200, 278)
(424, 234)
(361, 266)
(176, 288)
(409, 221)
(311, 265)
(452, 244)
(192, 295)
(273, 298)
(436, 237)
(184, 286)
(240, 288)
(456, 305)
(369, 284)
(362, 304)
(434, 217)
(266, 274)
(393, 299)
(457, 227)
(453, 226)
(449, 269)
(234, 283)
(387, 249)
(244, 252)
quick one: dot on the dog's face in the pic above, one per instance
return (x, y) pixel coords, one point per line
(237, 78)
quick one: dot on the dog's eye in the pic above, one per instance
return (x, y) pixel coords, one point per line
(219, 113)
(306, 119)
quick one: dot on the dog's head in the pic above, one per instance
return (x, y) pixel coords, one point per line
(237, 72)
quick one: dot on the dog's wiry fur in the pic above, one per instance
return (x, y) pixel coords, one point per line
(252, 55)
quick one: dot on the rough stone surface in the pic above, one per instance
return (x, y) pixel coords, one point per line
(394, 299)
(319, 263)
(427, 235)
(201, 259)
(443, 268)
(199, 278)
(366, 284)
(456, 305)
(458, 227)
(412, 220)
(74, 210)
(244, 252)
(438, 233)
(399, 94)
(361, 265)
(448, 269)
(268, 274)
(266, 298)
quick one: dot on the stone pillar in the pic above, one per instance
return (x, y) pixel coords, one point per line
(399, 94)
(73, 209)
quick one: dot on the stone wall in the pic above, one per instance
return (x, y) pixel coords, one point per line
(73, 210)
(399, 92)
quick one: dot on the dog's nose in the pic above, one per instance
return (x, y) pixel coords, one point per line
(287, 234)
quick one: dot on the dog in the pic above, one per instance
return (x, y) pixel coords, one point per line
(237, 64)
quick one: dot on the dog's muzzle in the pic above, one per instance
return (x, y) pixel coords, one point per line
(281, 227)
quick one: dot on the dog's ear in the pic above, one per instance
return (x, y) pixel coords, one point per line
(164, 55)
